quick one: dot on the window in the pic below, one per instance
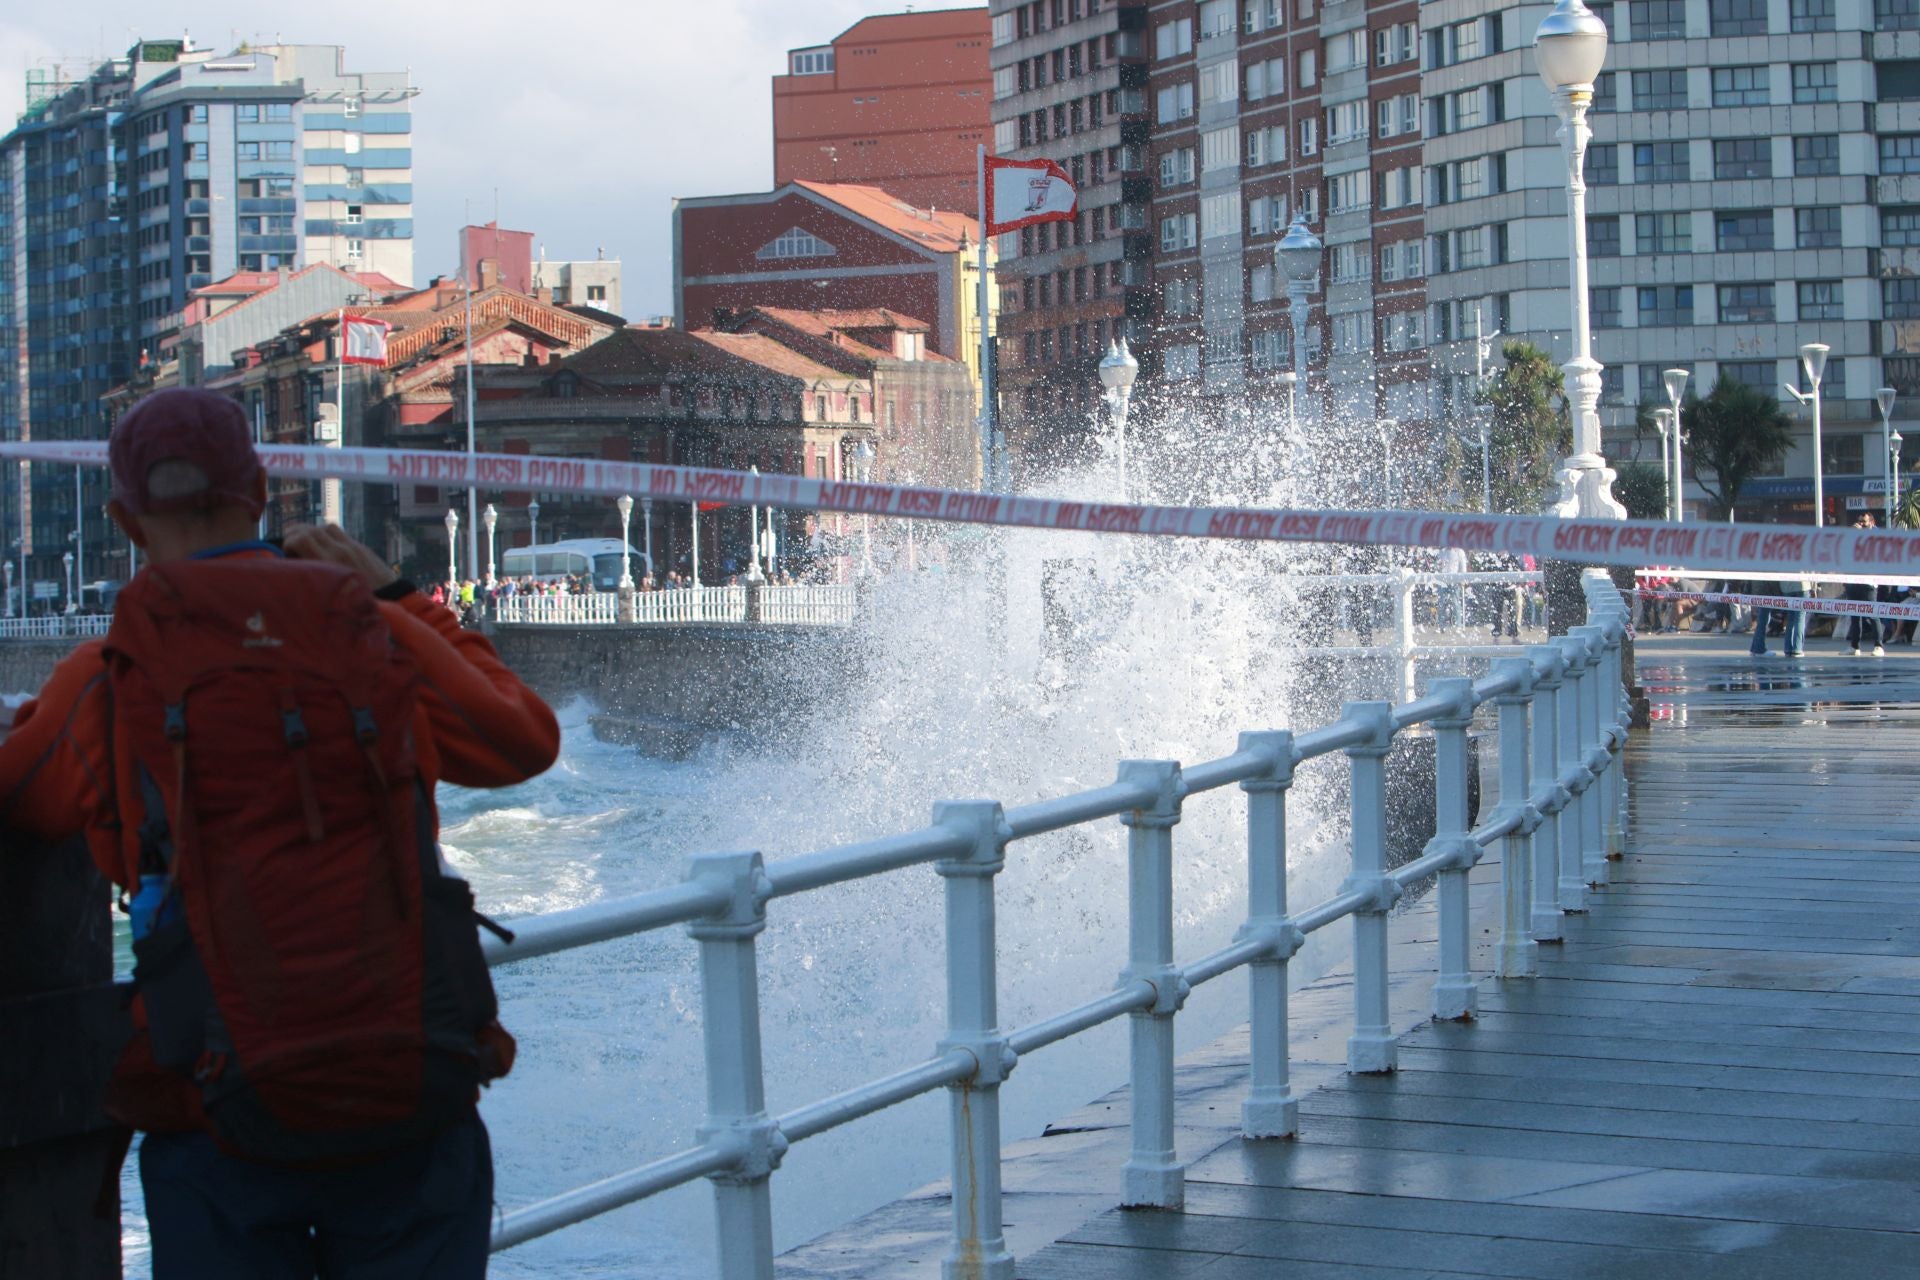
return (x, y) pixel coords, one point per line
(815, 62)
(1743, 158)
(1810, 15)
(1399, 187)
(1745, 303)
(1818, 300)
(1267, 214)
(1220, 82)
(1266, 146)
(1216, 18)
(1663, 232)
(1176, 167)
(1844, 455)
(1220, 215)
(1403, 332)
(1353, 261)
(248, 226)
(1181, 297)
(1758, 374)
(1603, 305)
(1346, 121)
(1346, 51)
(1662, 162)
(1900, 226)
(1175, 102)
(1817, 227)
(1665, 305)
(1900, 298)
(1894, 15)
(250, 151)
(246, 113)
(1740, 86)
(1349, 333)
(1747, 230)
(1178, 232)
(1816, 82)
(1738, 17)
(1309, 136)
(1220, 149)
(1395, 116)
(1181, 362)
(1172, 39)
(1347, 191)
(354, 213)
(198, 150)
(279, 113)
(1603, 237)
(1266, 79)
(1816, 156)
(1664, 89)
(1309, 68)
(1603, 165)
(1604, 96)
(1900, 153)
(796, 242)
(1658, 19)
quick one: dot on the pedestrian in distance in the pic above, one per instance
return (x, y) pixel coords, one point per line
(1794, 638)
(1862, 628)
(252, 752)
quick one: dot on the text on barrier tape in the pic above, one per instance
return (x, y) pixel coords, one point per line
(1736, 549)
(1792, 604)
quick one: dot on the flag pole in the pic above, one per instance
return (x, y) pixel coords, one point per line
(330, 496)
(990, 480)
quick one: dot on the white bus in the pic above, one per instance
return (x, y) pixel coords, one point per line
(598, 557)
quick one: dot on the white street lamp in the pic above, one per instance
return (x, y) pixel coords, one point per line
(1571, 47)
(8, 568)
(1893, 458)
(1885, 397)
(491, 518)
(1676, 384)
(1813, 358)
(453, 553)
(694, 575)
(624, 504)
(67, 558)
(533, 519)
(1298, 255)
(646, 520)
(1386, 426)
(863, 472)
(754, 572)
(1663, 422)
(1117, 372)
(1482, 351)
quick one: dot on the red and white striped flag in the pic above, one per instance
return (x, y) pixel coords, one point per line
(1023, 192)
(366, 341)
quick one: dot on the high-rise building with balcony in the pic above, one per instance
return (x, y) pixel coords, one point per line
(130, 184)
(1070, 85)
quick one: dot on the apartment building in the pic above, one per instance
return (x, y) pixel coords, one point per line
(1754, 184)
(1070, 85)
(135, 181)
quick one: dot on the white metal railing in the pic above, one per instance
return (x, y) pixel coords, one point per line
(807, 605)
(57, 626)
(1448, 614)
(602, 608)
(1562, 718)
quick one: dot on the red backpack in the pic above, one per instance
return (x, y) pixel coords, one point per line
(313, 978)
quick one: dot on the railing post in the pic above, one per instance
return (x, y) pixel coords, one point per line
(1455, 994)
(1594, 717)
(1371, 1047)
(1153, 1178)
(1518, 955)
(1549, 797)
(1574, 776)
(736, 1093)
(979, 1249)
(1403, 672)
(1271, 1110)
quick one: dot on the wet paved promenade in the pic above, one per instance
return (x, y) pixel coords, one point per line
(1716, 1075)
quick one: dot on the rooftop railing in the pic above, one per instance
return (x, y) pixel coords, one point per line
(1562, 722)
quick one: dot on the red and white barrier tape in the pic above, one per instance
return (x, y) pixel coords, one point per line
(1791, 604)
(1743, 550)
(1872, 579)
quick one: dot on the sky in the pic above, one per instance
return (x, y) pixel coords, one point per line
(579, 121)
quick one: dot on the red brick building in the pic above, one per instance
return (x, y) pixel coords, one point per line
(809, 246)
(511, 251)
(898, 100)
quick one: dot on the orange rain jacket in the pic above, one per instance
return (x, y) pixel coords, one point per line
(477, 725)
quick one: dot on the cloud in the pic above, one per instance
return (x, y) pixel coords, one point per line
(586, 118)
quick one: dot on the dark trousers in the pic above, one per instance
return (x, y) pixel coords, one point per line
(1859, 628)
(423, 1212)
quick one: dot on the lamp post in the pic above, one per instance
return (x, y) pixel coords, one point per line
(533, 519)
(8, 568)
(754, 573)
(1482, 350)
(1663, 423)
(1570, 48)
(67, 558)
(694, 575)
(1676, 384)
(1885, 397)
(453, 552)
(491, 518)
(1813, 358)
(863, 472)
(1298, 254)
(646, 532)
(1117, 372)
(624, 503)
(1386, 426)
(1893, 469)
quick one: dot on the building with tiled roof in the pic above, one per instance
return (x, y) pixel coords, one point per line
(817, 246)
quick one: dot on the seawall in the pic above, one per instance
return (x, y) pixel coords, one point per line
(26, 664)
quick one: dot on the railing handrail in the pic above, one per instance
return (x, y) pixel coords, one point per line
(1562, 723)
(806, 604)
(56, 626)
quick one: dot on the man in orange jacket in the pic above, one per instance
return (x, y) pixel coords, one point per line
(187, 486)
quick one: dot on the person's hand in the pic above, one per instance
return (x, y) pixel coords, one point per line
(330, 543)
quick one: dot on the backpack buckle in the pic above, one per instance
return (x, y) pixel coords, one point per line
(175, 724)
(294, 726)
(364, 727)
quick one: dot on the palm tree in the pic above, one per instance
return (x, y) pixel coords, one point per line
(1732, 435)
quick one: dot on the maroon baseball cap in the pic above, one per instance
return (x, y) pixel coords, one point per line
(185, 425)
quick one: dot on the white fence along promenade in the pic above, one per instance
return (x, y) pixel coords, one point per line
(57, 626)
(801, 605)
(1562, 719)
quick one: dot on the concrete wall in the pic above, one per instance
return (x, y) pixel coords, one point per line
(26, 664)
